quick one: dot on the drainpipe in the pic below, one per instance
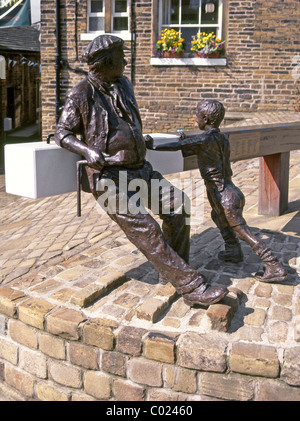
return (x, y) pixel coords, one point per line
(133, 43)
(57, 61)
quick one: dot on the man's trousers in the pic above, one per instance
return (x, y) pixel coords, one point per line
(125, 194)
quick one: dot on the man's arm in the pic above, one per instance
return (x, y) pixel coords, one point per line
(93, 157)
(65, 136)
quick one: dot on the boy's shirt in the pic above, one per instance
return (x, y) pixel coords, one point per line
(213, 153)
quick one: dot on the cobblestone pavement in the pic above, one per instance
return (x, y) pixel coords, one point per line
(48, 252)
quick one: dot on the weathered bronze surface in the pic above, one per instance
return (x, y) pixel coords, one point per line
(212, 149)
(103, 112)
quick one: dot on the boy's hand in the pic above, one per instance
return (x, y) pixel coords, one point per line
(149, 141)
(181, 135)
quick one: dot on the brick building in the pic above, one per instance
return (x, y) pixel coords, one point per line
(258, 70)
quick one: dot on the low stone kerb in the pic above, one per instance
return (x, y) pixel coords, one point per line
(159, 347)
(65, 323)
(33, 312)
(256, 360)
(23, 334)
(99, 333)
(291, 366)
(143, 371)
(129, 340)
(9, 298)
(202, 352)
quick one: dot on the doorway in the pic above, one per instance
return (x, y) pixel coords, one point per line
(10, 107)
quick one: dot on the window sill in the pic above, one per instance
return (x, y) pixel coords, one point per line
(89, 36)
(195, 61)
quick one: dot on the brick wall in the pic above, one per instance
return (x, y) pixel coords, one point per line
(53, 353)
(261, 40)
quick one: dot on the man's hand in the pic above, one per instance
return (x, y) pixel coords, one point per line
(149, 141)
(94, 159)
(93, 156)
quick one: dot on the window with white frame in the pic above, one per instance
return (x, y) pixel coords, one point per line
(110, 16)
(120, 15)
(191, 16)
(96, 15)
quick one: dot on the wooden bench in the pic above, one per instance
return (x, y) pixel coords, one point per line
(272, 144)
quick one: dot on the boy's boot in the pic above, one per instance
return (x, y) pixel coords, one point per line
(233, 252)
(273, 271)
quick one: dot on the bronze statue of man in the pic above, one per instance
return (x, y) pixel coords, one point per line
(102, 111)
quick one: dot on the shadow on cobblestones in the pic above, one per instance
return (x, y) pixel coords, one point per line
(203, 257)
(260, 301)
(284, 246)
(294, 224)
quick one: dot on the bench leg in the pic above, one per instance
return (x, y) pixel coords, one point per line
(273, 184)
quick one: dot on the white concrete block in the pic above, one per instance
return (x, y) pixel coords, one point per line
(163, 161)
(39, 169)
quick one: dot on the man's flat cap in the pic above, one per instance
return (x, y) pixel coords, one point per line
(101, 47)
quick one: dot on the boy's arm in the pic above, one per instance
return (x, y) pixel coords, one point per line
(171, 146)
(187, 144)
(193, 140)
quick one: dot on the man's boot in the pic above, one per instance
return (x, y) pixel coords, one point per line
(233, 252)
(273, 271)
(203, 294)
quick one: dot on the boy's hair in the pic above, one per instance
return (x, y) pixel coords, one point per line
(213, 110)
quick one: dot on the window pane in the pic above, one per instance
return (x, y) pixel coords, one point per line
(174, 11)
(170, 12)
(207, 18)
(120, 6)
(190, 11)
(96, 6)
(209, 30)
(121, 24)
(187, 33)
(96, 24)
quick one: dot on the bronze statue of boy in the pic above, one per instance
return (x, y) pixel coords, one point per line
(102, 111)
(227, 201)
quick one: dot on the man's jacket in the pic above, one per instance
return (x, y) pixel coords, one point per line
(85, 115)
